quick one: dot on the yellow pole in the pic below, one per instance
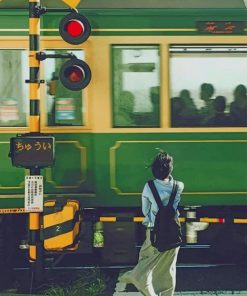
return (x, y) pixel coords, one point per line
(34, 118)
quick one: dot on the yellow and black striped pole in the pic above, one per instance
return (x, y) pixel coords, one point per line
(34, 67)
(35, 247)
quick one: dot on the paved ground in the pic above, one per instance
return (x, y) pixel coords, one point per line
(194, 293)
(191, 281)
(215, 281)
(199, 293)
(123, 290)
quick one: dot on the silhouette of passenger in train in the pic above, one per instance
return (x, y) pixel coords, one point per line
(219, 118)
(177, 116)
(207, 111)
(185, 95)
(184, 111)
(238, 108)
(189, 112)
(124, 115)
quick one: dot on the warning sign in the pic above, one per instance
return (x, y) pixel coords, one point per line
(32, 151)
(34, 193)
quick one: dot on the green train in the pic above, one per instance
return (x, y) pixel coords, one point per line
(166, 75)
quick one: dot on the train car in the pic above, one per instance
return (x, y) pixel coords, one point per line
(166, 75)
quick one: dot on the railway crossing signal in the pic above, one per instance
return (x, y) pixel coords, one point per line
(74, 28)
(75, 74)
(36, 151)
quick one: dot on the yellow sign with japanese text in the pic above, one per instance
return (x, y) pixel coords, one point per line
(72, 3)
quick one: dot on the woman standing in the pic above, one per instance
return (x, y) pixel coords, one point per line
(155, 272)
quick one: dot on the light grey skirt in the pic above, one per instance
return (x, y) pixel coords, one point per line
(155, 272)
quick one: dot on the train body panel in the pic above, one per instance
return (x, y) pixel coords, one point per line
(110, 169)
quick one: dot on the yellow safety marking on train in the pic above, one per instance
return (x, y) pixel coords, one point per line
(240, 221)
(14, 30)
(138, 219)
(12, 211)
(12, 187)
(181, 219)
(34, 26)
(108, 219)
(49, 30)
(212, 220)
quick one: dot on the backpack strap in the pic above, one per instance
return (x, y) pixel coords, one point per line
(157, 196)
(155, 193)
(173, 194)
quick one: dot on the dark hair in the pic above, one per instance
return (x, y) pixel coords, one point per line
(240, 90)
(220, 103)
(162, 165)
(208, 89)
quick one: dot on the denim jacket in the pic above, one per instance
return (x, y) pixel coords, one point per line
(164, 188)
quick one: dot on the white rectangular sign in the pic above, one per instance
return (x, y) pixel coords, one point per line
(34, 193)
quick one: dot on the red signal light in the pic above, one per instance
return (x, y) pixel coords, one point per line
(75, 74)
(74, 28)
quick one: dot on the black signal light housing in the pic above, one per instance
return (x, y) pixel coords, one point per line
(75, 74)
(74, 28)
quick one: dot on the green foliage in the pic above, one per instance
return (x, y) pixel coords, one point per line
(86, 283)
(98, 240)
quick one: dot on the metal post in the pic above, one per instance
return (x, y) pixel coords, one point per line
(35, 248)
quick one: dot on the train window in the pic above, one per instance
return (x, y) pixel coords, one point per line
(136, 86)
(208, 86)
(14, 106)
(64, 106)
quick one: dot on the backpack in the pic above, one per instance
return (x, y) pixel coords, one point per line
(166, 233)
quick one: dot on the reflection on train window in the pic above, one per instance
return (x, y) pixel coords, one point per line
(208, 86)
(136, 86)
(14, 106)
(64, 106)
